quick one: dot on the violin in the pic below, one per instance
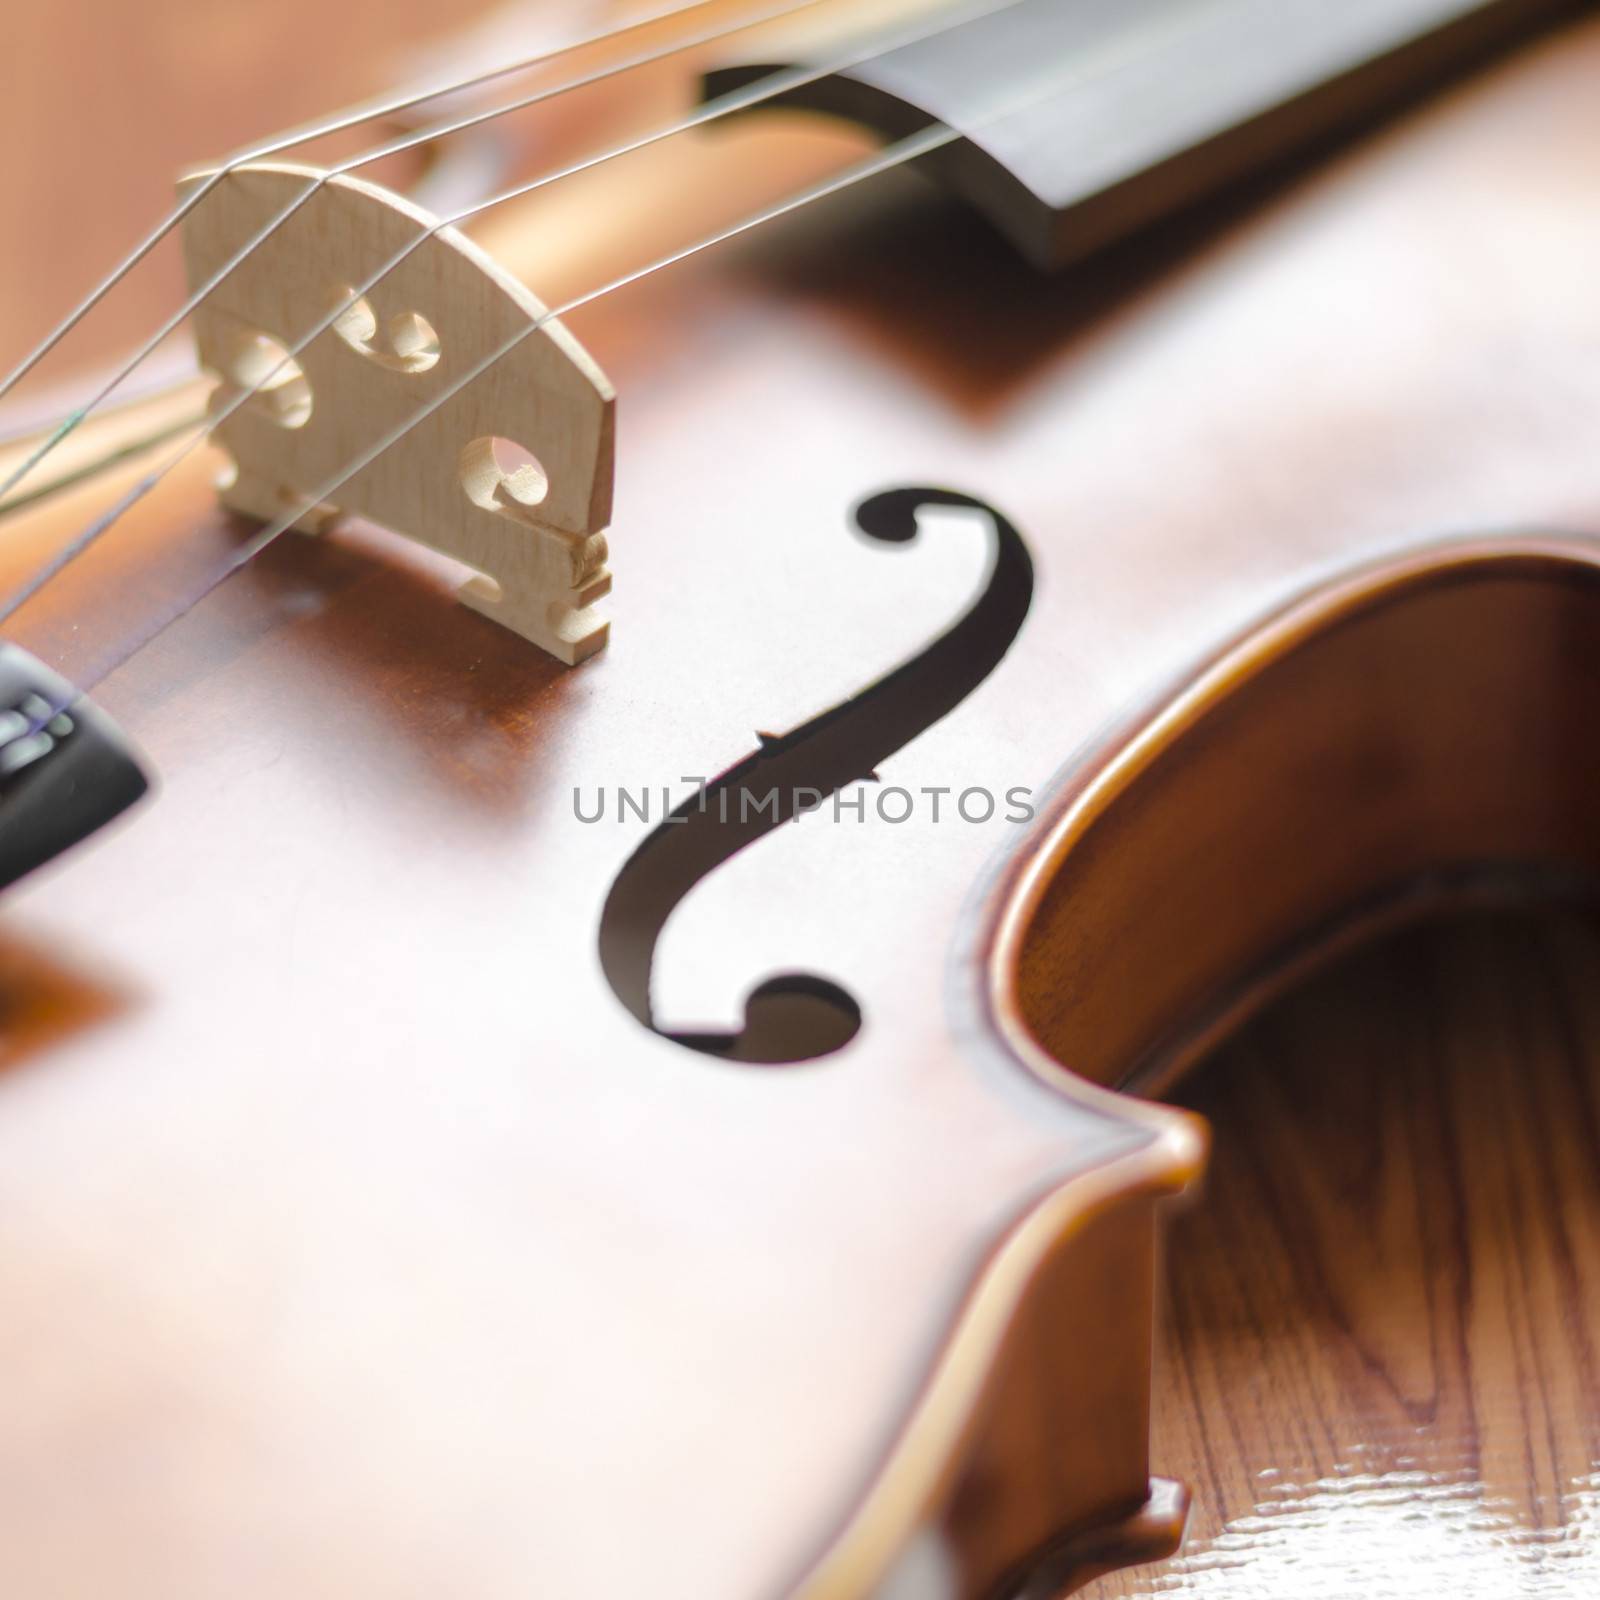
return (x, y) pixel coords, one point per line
(672, 684)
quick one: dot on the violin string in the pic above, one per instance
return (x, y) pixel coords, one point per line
(763, 89)
(338, 122)
(396, 146)
(1132, 47)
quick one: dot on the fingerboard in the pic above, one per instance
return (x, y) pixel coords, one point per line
(1082, 120)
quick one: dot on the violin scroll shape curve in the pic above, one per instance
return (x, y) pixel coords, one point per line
(511, 475)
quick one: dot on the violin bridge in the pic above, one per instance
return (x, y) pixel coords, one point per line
(509, 473)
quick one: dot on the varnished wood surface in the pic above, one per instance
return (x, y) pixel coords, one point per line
(1379, 1345)
(341, 1189)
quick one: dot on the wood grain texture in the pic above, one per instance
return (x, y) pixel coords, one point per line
(355, 1237)
(1380, 1369)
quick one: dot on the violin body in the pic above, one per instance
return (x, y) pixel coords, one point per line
(368, 1233)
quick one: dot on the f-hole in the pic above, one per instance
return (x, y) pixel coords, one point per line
(792, 1017)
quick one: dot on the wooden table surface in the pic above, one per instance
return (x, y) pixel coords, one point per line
(1379, 1372)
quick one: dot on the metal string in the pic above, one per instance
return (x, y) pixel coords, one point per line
(339, 122)
(764, 89)
(392, 147)
(1133, 47)
(1145, 41)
